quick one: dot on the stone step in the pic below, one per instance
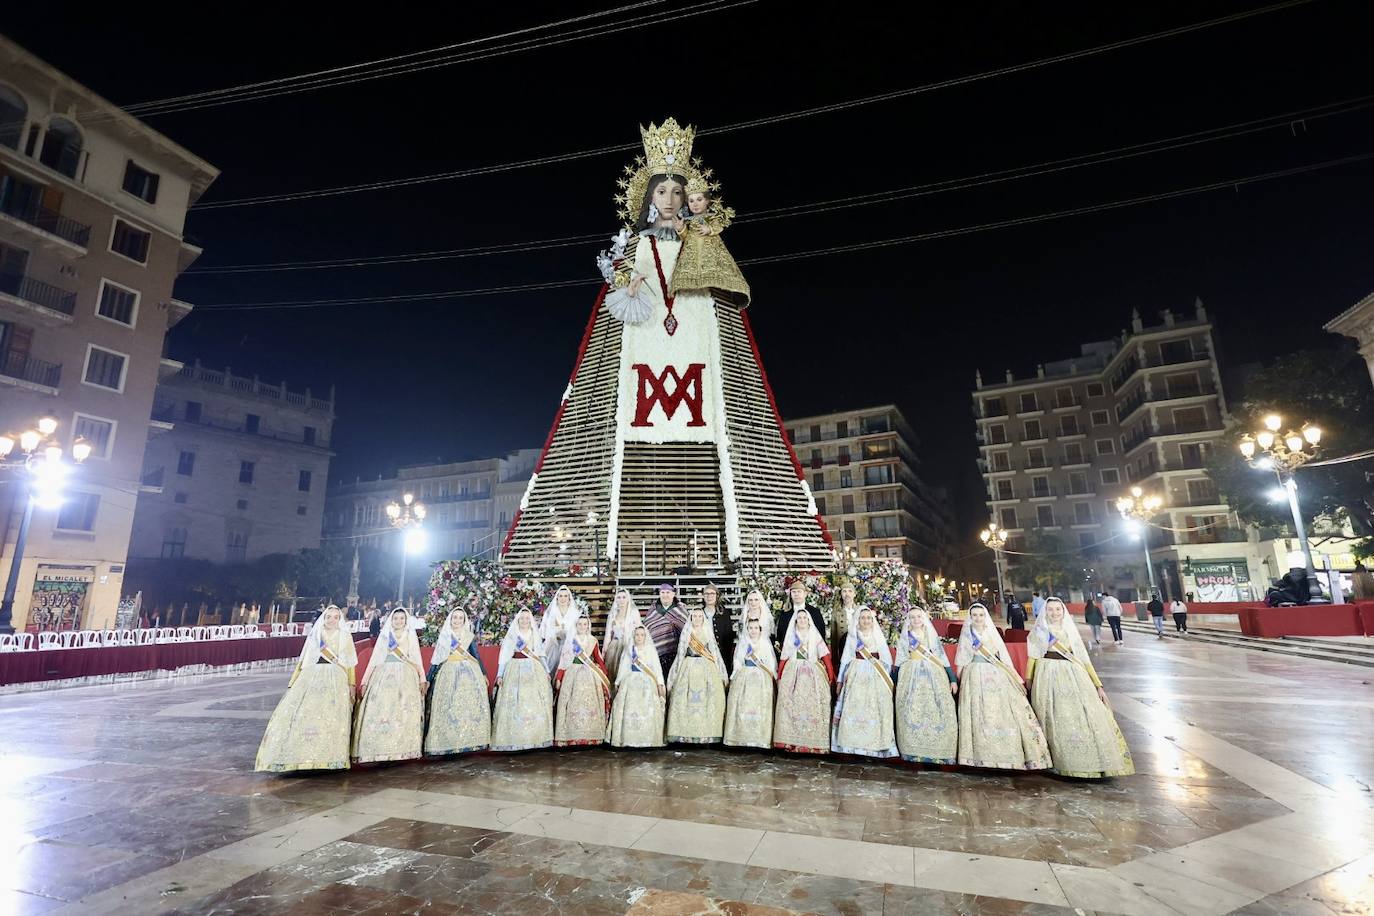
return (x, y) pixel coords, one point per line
(1276, 646)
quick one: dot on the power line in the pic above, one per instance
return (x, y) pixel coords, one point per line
(758, 122)
(817, 252)
(1166, 144)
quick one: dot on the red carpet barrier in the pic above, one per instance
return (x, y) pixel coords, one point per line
(1318, 620)
(1366, 616)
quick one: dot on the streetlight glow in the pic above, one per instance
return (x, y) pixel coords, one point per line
(1265, 438)
(29, 439)
(1272, 422)
(1284, 455)
(47, 426)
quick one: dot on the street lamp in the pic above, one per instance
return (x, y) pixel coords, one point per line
(44, 472)
(1137, 509)
(405, 516)
(995, 539)
(1284, 454)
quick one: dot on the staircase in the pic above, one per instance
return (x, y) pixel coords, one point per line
(644, 591)
(1348, 652)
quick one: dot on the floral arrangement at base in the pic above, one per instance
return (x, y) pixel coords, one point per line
(886, 587)
(490, 596)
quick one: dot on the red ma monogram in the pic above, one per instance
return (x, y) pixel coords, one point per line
(652, 389)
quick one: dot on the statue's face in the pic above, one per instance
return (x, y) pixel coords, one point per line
(668, 198)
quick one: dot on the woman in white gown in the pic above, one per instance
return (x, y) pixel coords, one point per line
(997, 728)
(584, 692)
(749, 707)
(801, 719)
(696, 686)
(459, 696)
(640, 695)
(388, 721)
(862, 722)
(310, 727)
(523, 718)
(620, 626)
(559, 622)
(927, 724)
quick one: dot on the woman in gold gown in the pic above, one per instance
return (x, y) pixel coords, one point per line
(638, 710)
(801, 719)
(749, 707)
(459, 704)
(584, 692)
(523, 718)
(387, 723)
(696, 685)
(862, 722)
(997, 728)
(309, 729)
(927, 724)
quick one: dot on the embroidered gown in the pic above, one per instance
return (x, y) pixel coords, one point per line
(927, 725)
(387, 723)
(523, 717)
(997, 728)
(801, 718)
(459, 707)
(696, 689)
(618, 636)
(584, 698)
(862, 722)
(638, 711)
(310, 727)
(1082, 733)
(749, 707)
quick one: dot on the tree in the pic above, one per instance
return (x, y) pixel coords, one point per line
(1046, 563)
(1329, 388)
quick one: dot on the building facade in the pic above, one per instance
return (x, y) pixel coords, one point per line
(1357, 322)
(1146, 409)
(864, 473)
(470, 505)
(237, 472)
(92, 208)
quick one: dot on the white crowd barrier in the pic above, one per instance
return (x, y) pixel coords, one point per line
(145, 636)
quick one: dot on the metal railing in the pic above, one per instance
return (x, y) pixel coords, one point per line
(38, 292)
(26, 368)
(35, 214)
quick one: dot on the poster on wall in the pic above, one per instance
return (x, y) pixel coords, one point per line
(1222, 580)
(59, 600)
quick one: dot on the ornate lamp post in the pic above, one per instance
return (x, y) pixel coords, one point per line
(407, 517)
(1137, 509)
(995, 539)
(1283, 455)
(43, 471)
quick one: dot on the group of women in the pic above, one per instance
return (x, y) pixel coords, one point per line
(558, 684)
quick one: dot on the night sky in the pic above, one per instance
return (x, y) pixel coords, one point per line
(474, 376)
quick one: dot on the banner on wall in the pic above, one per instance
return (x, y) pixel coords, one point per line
(1222, 580)
(59, 597)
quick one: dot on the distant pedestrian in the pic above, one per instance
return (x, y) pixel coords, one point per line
(1180, 612)
(1092, 616)
(1016, 614)
(1156, 608)
(1111, 608)
(1037, 605)
(374, 627)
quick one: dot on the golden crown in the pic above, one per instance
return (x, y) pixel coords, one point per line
(667, 148)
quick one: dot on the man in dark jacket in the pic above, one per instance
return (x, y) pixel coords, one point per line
(796, 602)
(1016, 614)
(1156, 608)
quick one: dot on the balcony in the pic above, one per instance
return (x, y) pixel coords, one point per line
(37, 293)
(24, 368)
(1082, 489)
(26, 209)
(1033, 465)
(1043, 493)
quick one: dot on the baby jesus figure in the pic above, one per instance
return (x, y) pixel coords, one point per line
(704, 265)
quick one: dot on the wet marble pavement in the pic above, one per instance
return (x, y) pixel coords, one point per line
(1253, 795)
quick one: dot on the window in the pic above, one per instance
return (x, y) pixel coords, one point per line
(1073, 453)
(1001, 461)
(1032, 430)
(1068, 426)
(883, 448)
(104, 368)
(99, 433)
(1040, 486)
(1086, 540)
(303, 482)
(309, 438)
(140, 182)
(820, 505)
(1044, 516)
(1111, 476)
(880, 502)
(1183, 385)
(186, 463)
(1078, 483)
(1202, 492)
(841, 429)
(130, 242)
(1193, 454)
(61, 147)
(241, 505)
(1082, 513)
(846, 479)
(883, 526)
(1004, 489)
(1101, 418)
(251, 423)
(850, 531)
(818, 482)
(1095, 390)
(1190, 419)
(174, 544)
(237, 549)
(117, 303)
(300, 510)
(1009, 518)
(792, 436)
(14, 111)
(1176, 351)
(877, 425)
(997, 434)
(847, 505)
(878, 475)
(815, 434)
(180, 498)
(842, 455)
(1035, 458)
(245, 472)
(1063, 397)
(1106, 447)
(994, 407)
(1028, 403)
(193, 411)
(78, 512)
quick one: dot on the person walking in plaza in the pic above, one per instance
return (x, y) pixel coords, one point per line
(459, 697)
(584, 690)
(749, 706)
(862, 721)
(1156, 608)
(310, 727)
(1111, 609)
(926, 722)
(388, 722)
(1092, 616)
(665, 619)
(1180, 612)
(997, 728)
(638, 710)
(1069, 701)
(1016, 614)
(523, 717)
(696, 686)
(801, 719)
